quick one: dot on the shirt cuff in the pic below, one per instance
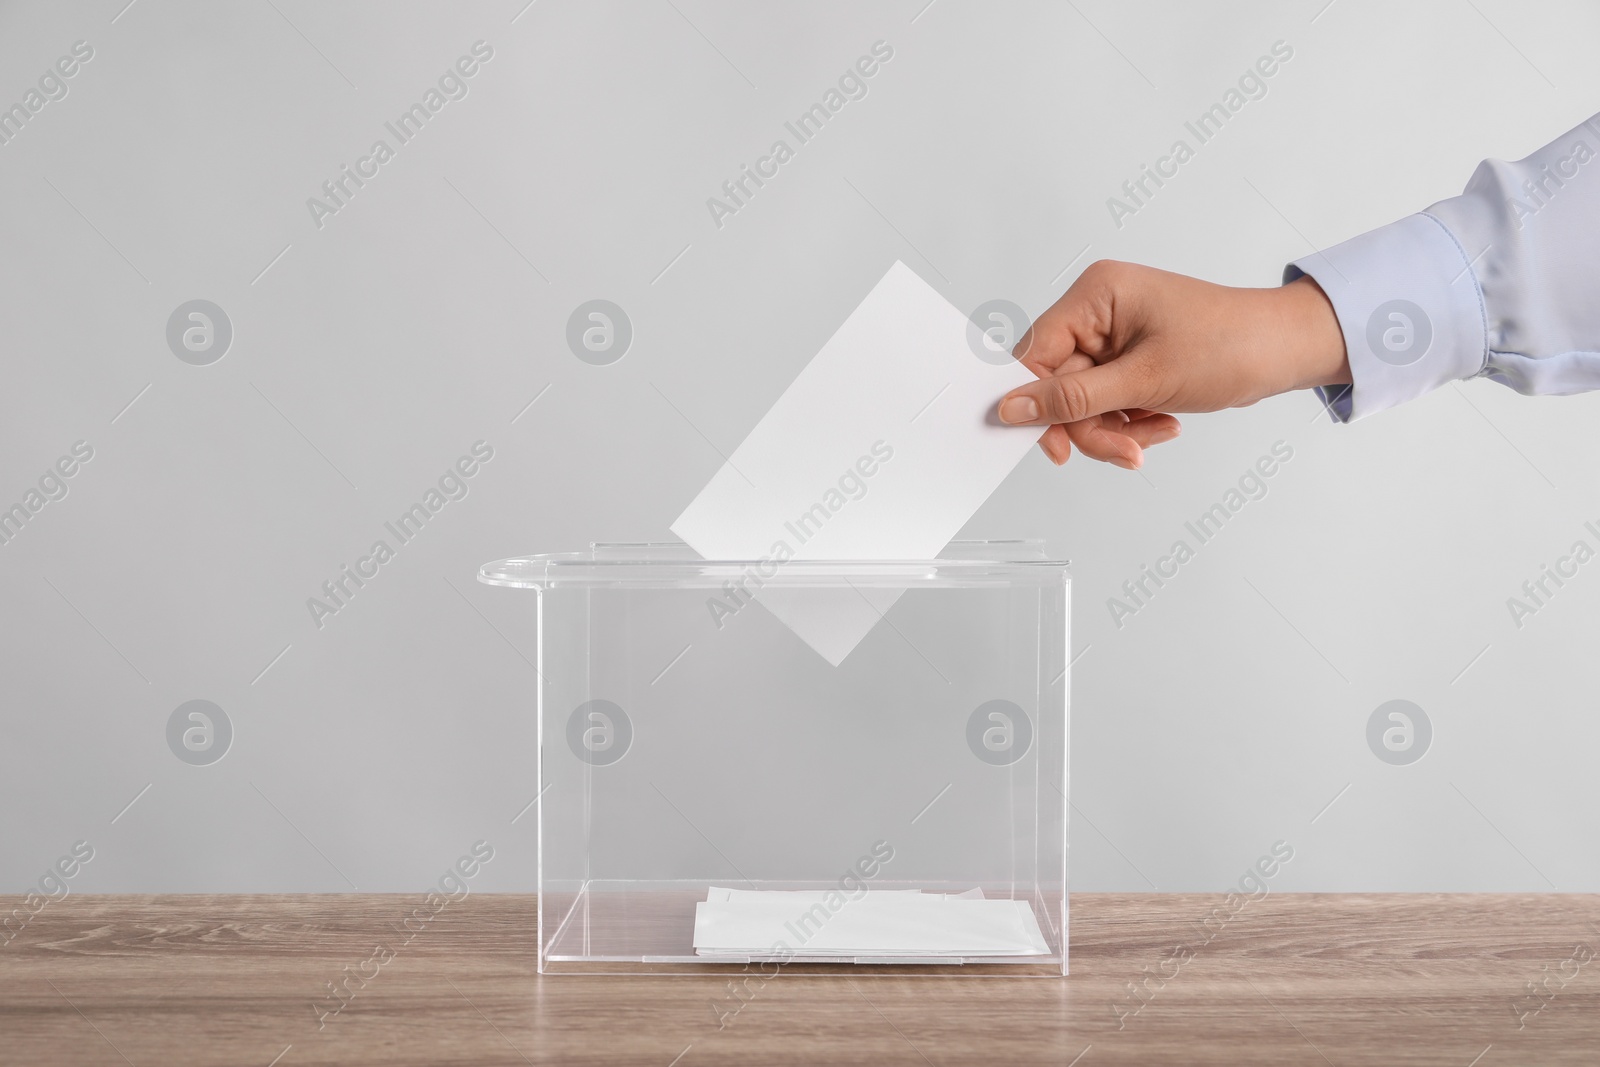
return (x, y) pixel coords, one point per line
(1410, 309)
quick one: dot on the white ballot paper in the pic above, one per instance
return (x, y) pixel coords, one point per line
(883, 448)
(878, 923)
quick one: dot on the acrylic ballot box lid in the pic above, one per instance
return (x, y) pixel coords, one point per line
(1011, 562)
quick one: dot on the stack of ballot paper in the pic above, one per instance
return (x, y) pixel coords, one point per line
(881, 923)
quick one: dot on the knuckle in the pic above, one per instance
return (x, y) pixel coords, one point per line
(1069, 399)
(1105, 271)
(1093, 275)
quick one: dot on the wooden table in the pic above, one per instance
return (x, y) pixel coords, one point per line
(1289, 979)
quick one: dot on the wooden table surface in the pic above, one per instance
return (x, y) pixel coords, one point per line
(1290, 979)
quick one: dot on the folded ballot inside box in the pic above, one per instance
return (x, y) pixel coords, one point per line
(895, 924)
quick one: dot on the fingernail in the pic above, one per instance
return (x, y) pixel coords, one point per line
(1018, 409)
(1166, 435)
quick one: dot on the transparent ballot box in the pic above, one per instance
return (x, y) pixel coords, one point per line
(831, 766)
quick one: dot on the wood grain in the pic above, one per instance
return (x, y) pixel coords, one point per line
(1291, 979)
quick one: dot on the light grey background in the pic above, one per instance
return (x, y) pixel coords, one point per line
(426, 315)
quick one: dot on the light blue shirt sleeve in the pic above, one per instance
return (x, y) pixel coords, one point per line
(1501, 282)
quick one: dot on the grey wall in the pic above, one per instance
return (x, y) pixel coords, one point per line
(370, 352)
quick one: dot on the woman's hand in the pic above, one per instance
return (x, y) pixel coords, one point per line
(1127, 344)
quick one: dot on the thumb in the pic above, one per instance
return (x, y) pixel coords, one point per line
(1073, 396)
